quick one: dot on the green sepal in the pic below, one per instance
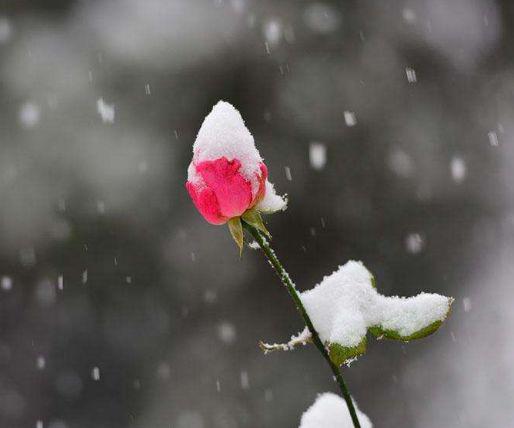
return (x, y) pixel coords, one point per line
(253, 218)
(236, 230)
(340, 354)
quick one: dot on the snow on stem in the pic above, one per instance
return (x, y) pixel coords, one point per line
(288, 283)
(302, 339)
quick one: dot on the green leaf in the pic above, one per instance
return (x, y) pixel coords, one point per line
(236, 230)
(373, 282)
(253, 218)
(397, 312)
(340, 354)
(379, 332)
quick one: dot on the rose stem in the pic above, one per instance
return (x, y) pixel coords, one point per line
(288, 283)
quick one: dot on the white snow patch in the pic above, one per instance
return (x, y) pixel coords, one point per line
(414, 243)
(6, 283)
(317, 155)
(254, 245)
(411, 75)
(304, 336)
(227, 332)
(301, 338)
(330, 411)
(272, 31)
(345, 304)
(493, 138)
(350, 118)
(40, 362)
(271, 202)
(458, 169)
(223, 134)
(29, 114)
(95, 373)
(287, 171)
(106, 111)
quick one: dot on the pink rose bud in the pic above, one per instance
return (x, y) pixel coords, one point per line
(227, 175)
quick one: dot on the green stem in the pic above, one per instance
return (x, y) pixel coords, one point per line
(288, 283)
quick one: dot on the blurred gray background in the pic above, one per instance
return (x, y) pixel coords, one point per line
(389, 124)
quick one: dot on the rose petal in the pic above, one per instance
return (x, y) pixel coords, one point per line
(206, 203)
(233, 192)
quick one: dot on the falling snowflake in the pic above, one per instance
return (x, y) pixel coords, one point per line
(414, 243)
(29, 115)
(349, 118)
(106, 111)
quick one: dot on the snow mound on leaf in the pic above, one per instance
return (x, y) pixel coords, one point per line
(345, 304)
(330, 411)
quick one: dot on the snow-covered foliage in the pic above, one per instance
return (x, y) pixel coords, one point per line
(330, 411)
(345, 305)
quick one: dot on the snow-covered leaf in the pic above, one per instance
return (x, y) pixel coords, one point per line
(341, 354)
(346, 305)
